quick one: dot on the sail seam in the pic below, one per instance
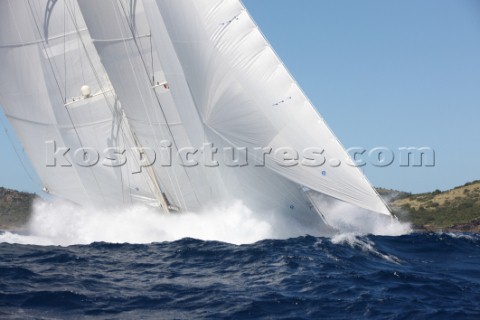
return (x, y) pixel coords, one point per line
(120, 39)
(29, 43)
(56, 124)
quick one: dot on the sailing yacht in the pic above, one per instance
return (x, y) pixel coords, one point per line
(152, 84)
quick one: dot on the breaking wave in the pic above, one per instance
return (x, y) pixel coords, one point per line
(63, 224)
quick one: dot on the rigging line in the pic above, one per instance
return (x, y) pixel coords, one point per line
(51, 66)
(65, 52)
(107, 100)
(45, 49)
(40, 41)
(180, 198)
(151, 173)
(118, 123)
(92, 65)
(151, 56)
(310, 103)
(78, 39)
(59, 88)
(15, 24)
(81, 144)
(146, 178)
(116, 141)
(158, 100)
(314, 204)
(122, 184)
(10, 139)
(133, 6)
(116, 128)
(154, 180)
(221, 136)
(54, 74)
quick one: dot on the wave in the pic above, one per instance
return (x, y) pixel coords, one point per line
(63, 224)
(306, 277)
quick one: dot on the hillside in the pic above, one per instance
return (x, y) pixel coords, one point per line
(14, 208)
(453, 210)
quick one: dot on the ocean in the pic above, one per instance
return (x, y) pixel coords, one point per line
(44, 275)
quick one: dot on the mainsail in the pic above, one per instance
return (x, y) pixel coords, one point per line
(131, 61)
(47, 57)
(172, 75)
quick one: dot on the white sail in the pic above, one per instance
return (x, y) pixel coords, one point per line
(25, 99)
(260, 189)
(185, 72)
(46, 57)
(131, 61)
(244, 94)
(139, 56)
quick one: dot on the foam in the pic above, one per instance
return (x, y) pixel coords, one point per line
(64, 224)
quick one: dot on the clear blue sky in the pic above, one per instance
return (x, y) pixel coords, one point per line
(392, 73)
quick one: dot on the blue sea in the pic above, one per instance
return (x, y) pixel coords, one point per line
(413, 276)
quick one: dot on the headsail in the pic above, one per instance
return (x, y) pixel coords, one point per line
(244, 93)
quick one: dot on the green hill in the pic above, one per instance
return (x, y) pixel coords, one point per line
(453, 210)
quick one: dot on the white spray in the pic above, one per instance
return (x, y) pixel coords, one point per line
(64, 224)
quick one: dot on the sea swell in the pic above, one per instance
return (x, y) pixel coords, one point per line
(410, 276)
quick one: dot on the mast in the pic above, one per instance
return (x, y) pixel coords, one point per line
(153, 178)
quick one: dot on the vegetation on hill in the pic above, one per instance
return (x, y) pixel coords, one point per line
(455, 210)
(15, 208)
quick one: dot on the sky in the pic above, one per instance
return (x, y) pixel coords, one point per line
(391, 74)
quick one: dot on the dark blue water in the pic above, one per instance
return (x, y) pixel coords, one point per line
(409, 277)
